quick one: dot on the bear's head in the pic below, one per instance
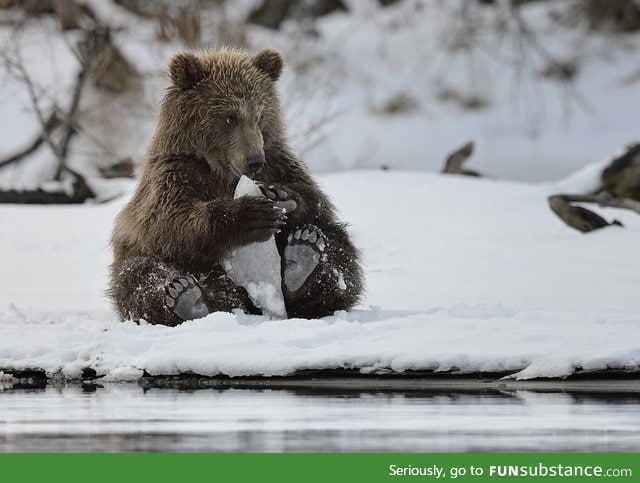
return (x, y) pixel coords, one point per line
(223, 106)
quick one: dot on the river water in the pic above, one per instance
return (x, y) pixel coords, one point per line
(127, 417)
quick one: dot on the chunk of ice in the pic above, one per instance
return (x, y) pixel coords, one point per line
(256, 266)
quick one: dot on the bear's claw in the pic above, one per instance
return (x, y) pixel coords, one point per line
(302, 255)
(280, 197)
(184, 297)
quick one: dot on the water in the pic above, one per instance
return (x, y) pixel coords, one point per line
(130, 418)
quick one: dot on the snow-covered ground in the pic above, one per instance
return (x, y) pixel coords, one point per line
(463, 274)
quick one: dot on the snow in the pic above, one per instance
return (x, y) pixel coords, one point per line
(587, 179)
(531, 128)
(257, 266)
(335, 86)
(463, 275)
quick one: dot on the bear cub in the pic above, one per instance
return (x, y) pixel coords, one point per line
(221, 119)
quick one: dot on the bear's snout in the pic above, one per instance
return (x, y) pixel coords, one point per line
(255, 162)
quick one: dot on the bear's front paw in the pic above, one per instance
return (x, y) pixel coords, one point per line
(259, 219)
(282, 196)
(302, 255)
(184, 298)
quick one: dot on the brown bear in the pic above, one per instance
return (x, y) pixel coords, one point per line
(221, 118)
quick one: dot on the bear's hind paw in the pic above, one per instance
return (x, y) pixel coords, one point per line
(184, 298)
(302, 255)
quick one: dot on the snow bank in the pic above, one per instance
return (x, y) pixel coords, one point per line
(472, 275)
(459, 338)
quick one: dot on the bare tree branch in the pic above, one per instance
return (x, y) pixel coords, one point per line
(53, 123)
(604, 200)
(15, 64)
(585, 220)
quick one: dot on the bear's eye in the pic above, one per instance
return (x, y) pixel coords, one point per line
(231, 120)
(261, 119)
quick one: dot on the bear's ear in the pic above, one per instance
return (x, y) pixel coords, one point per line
(185, 70)
(269, 61)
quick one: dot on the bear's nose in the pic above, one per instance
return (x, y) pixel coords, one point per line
(255, 162)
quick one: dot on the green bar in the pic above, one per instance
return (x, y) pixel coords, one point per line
(332, 468)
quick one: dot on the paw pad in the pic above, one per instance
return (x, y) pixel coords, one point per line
(184, 297)
(176, 287)
(302, 255)
(310, 234)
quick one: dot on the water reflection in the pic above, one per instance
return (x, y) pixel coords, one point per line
(130, 418)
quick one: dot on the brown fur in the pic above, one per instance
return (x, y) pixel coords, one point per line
(220, 109)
